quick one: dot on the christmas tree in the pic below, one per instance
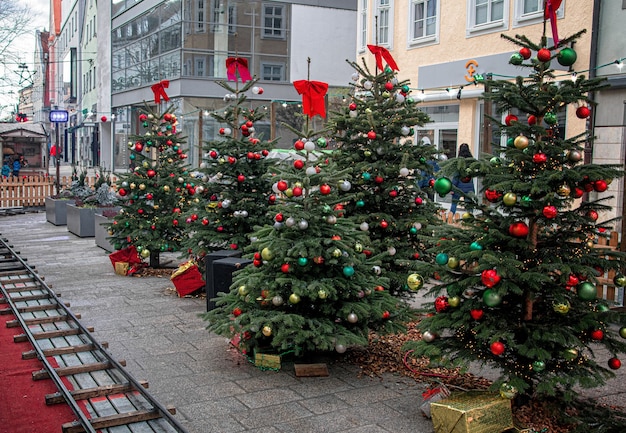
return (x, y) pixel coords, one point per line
(516, 286)
(375, 142)
(310, 288)
(154, 193)
(233, 192)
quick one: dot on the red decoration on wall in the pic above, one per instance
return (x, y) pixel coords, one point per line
(313, 93)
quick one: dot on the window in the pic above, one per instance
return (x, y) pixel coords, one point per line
(216, 16)
(383, 20)
(363, 25)
(486, 16)
(200, 15)
(200, 67)
(232, 19)
(273, 21)
(272, 72)
(423, 22)
(529, 12)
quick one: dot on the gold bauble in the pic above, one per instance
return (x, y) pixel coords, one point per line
(133, 185)
(521, 142)
(415, 282)
(564, 191)
(142, 186)
(267, 331)
(266, 254)
(166, 188)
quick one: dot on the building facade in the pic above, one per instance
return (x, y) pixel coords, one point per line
(442, 46)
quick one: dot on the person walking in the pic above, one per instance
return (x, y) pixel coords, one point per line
(464, 183)
(6, 170)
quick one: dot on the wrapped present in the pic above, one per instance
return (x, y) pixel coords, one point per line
(187, 279)
(433, 395)
(472, 412)
(121, 268)
(266, 360)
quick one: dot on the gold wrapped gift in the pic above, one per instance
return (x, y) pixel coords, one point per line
(266, 360)
(472, 412)
(121, 268)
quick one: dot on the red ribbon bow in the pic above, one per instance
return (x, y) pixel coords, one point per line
(159, 91)
(382, 53)
(551, 6)
(313, 93)
(240, 65)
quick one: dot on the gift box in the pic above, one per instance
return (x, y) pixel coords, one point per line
(187, 279)
(472, 412)
(433, 395)
(266, 360)
(121, 268)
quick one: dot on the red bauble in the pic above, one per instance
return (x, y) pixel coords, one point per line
(583, 112)
(510, 119)
(490, 278)
(122, 192)
(232, 160)
(578, 192)
(151, 173)
(352, 106)
(257, 263)
(597, 334)
(279, 217)
(544, 55)
(222, 131)
(572, 280)
(550, 212)
(298, 164)
(213, 154)
(441, 304)
(241, 178)
(237, 312)
(282, 185)
(492, 195)
(220, 229)
(389, 85)
(379, 179)
(497, 348)
(371, 135)
(419, 200)
(285, 268)
(175, 222)
(325, 189)
(592, 215)
(532, 119)
(205, 222)
(265, 152)
(250, 155)
(393, 193)
(249, 124)
(299, 145)
(140, 211)
(138, 147)
(386, 315)
(244, 128)
(271, 199)
(525, 53)
(384, 224)
(143, 117)
(167, 117)
(615, 363)
(476, 314)
(540, 158)
(600, 185)
(518, 229)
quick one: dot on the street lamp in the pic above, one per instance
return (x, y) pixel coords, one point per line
(57, 117)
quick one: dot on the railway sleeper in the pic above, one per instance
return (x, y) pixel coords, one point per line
(99, 391)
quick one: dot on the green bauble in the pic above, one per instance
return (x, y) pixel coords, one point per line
(516, 59)
(302, 261)
(539, 366)
(566, 57)
(321, 142)
(586, 291)
(441, 259)
(495, 161)
(475, 246)
(443, 185)
(491, 298)
(620, 280)
(549, 118)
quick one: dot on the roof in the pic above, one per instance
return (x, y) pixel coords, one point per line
(22, 130)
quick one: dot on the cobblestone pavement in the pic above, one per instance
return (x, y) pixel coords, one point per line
(213, 388)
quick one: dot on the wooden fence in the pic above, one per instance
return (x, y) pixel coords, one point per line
(31, 191)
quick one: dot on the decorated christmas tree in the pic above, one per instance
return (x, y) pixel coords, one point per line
(517, 285)
(233, 192)
(310, 288)
(154, 193)
(375, 142)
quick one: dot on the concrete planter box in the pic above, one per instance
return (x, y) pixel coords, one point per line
(56, 210)
(102, 233)
(81, 221)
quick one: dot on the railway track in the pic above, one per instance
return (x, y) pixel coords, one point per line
(101, 393)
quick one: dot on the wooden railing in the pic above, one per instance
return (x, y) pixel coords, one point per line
(31, 191)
